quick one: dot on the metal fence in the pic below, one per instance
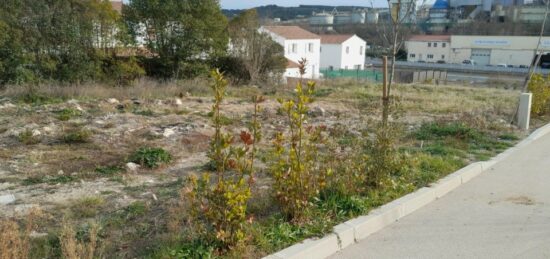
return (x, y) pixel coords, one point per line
(370, 75)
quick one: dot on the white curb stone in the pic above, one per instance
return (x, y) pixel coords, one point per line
(447, 185)
(416, 200)
(364, 226)
(311, 249)
(469, 172)
(346, 235)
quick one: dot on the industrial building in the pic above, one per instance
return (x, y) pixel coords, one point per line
(482, 50)
(330, 19)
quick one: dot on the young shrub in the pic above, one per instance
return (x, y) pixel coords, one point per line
(218, 208)
(74, 248)
(297, 177)
(151, 157)
(67, 114)
(77, 136)
(540, 87)
(28, 137)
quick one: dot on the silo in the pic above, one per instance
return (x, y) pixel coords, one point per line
(342, 18)
(321, 19)
(487, 4)
(358, 17)
(372, 17)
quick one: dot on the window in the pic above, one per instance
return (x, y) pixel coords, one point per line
(294, 48)
(361, 50)
(412, 55)
(430, 56)
(310, 47)
(435, 44)
(347, 50)
(443, 44)
(429, 44)
(442, 56)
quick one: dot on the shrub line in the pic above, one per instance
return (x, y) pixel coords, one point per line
(363, 226)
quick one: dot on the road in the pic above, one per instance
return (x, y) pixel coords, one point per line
(503, 213)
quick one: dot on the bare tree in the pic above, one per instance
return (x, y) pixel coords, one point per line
(394, 31)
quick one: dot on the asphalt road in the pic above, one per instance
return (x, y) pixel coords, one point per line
(503, 213)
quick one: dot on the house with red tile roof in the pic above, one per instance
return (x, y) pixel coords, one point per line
(342, 51)
(298, 44)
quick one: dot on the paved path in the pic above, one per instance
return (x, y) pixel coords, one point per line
(503, 213)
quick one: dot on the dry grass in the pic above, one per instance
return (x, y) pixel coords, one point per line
(72, 248)
(15, 240)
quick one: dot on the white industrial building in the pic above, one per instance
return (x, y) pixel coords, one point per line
(483, 50)
(342, 52)
(298, 44)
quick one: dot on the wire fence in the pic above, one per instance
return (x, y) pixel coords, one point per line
(370, 75)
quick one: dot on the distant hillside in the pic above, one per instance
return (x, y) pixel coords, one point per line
(286, 13)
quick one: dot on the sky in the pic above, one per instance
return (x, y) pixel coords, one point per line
(242, 4)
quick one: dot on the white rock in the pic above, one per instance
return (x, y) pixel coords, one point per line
(178, 102)
(35, 234)
(72, 101)
(168, 132)
(112, 101)
(60, 172)
(36, 133)
(7, 199)
(132, 167)
(7, 105)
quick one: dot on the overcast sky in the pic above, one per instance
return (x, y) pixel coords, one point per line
(241, 4)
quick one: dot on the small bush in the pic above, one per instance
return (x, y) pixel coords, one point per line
(27, 137)
(73, 247)
(67, 114)
(540, 87)
(151, 157)
(77, 136)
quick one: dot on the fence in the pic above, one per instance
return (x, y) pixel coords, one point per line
(371, 75)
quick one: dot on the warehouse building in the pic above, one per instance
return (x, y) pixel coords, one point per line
(483, 50)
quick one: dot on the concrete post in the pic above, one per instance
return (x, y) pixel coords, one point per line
(524, 113)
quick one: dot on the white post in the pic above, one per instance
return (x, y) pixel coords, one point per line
(524, 113)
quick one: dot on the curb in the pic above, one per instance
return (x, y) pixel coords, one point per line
(361, 227)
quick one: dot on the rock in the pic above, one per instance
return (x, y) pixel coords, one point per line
(72, 101)
(318, 112)
(178, 102)
(187, 94)
(168, 132)
(132, 167)
(7, 199)
(112, 101)
(136, 101)
(60, 172)
(6, 106)
(120, 107)
(36, 133)
(77, 107)
(35, 234)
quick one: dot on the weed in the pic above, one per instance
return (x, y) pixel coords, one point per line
(136, 209)
(436, 130)
(15, 240)
(150, 157)
(508, 136)
(67, 114)
(87, 207)
(61, 179)
(146, 112)
(27, 137)
(76, 136)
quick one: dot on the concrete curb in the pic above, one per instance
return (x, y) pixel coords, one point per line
(361, 227)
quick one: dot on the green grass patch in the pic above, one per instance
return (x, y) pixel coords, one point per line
(150, 157)
(77, 136)
(27, 137)
(67, 114)
(60, 179)
(109, 170)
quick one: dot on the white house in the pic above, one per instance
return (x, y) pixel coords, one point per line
(342, 52)
(429, 48)
(298, 44)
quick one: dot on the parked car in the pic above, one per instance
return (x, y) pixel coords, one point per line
(545, 65)
(469, 62)
(440, 62)
(523, 66)
(421, 61)
(510, 66)
(502, 65)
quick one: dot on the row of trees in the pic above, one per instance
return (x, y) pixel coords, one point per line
(76, 41)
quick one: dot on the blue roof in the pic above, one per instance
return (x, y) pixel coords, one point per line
(441, 4)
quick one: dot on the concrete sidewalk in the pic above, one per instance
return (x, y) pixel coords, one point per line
(503, 213)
